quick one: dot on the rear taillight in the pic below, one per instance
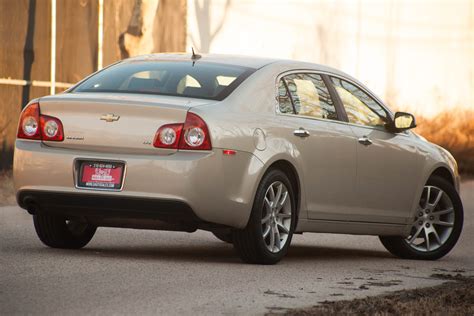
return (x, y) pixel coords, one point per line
(33, 125)
(51, 128)
(29, 126)
(168, 136)
(192, 135)
(195, 135)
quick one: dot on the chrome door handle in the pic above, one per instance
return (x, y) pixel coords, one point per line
(365, 141)
(301, 132)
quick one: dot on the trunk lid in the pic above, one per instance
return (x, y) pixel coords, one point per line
(115, 123)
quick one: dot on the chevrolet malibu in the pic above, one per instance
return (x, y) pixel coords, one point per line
(253, 150)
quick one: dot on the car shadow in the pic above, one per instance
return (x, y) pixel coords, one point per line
(182, 253)
(211, 253)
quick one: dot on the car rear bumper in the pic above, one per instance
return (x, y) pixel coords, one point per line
(106, 210)
(207, 186)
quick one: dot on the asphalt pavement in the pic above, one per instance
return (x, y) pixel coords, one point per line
(126, 271)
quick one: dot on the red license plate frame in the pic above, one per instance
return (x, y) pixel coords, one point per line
(101, 175)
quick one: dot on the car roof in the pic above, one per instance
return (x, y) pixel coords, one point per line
(236, 60)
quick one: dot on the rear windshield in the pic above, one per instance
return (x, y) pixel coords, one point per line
(184, 79)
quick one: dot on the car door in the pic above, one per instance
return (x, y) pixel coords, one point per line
(388, 164)
(325, 146)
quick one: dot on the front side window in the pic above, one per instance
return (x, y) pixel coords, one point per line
(175, 78)
(361, 109)
(306, 95)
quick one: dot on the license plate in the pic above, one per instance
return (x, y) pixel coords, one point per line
(101, 175)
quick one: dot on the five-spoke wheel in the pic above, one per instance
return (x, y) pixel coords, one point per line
(269, 230)
(434, 220)
(436, 226)
(276, 221)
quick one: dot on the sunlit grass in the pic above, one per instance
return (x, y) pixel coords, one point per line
(454, 131)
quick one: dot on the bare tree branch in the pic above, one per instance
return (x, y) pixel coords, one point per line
(138, 39)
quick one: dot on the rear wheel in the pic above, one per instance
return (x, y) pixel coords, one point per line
(268, 234)
(57, 232)
(436, 227)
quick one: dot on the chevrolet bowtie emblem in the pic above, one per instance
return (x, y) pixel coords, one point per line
(110, 117)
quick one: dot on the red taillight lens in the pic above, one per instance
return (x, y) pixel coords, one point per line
(29, 126)
(195, 135)
(192, 135)
(33, 125)
(168, 136)
(51, 128)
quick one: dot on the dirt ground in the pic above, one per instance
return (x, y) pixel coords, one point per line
(7, 194)
(455, 297)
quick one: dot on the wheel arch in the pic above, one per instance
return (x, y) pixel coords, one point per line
(440, 170)
(444, 173)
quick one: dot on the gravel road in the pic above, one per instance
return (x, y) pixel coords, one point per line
(147, 272)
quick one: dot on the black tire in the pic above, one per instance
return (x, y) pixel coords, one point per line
(225, 235)
(398, 246)
(56, 232)
(249, 242)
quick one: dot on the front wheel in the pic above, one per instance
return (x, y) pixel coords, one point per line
(58, 232)
(436, 227)
(268, 234)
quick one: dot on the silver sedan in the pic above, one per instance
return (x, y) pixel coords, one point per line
(251, 149)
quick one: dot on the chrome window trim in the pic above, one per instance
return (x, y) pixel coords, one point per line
(376, 99)
(380, 129)
(277, 97)
(321, 72)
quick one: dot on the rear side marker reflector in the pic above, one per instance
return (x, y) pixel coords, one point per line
(229, 152)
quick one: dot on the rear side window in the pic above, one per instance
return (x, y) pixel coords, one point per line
(175, 78)
(308, 95)
(284, 99)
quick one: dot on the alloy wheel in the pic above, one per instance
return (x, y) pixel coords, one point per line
(276, 216)
(433, 222)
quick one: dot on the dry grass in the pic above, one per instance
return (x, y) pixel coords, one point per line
(453, 131)
(7, 193)
(450, 298)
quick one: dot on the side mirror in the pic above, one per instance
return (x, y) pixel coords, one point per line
(402, 121)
